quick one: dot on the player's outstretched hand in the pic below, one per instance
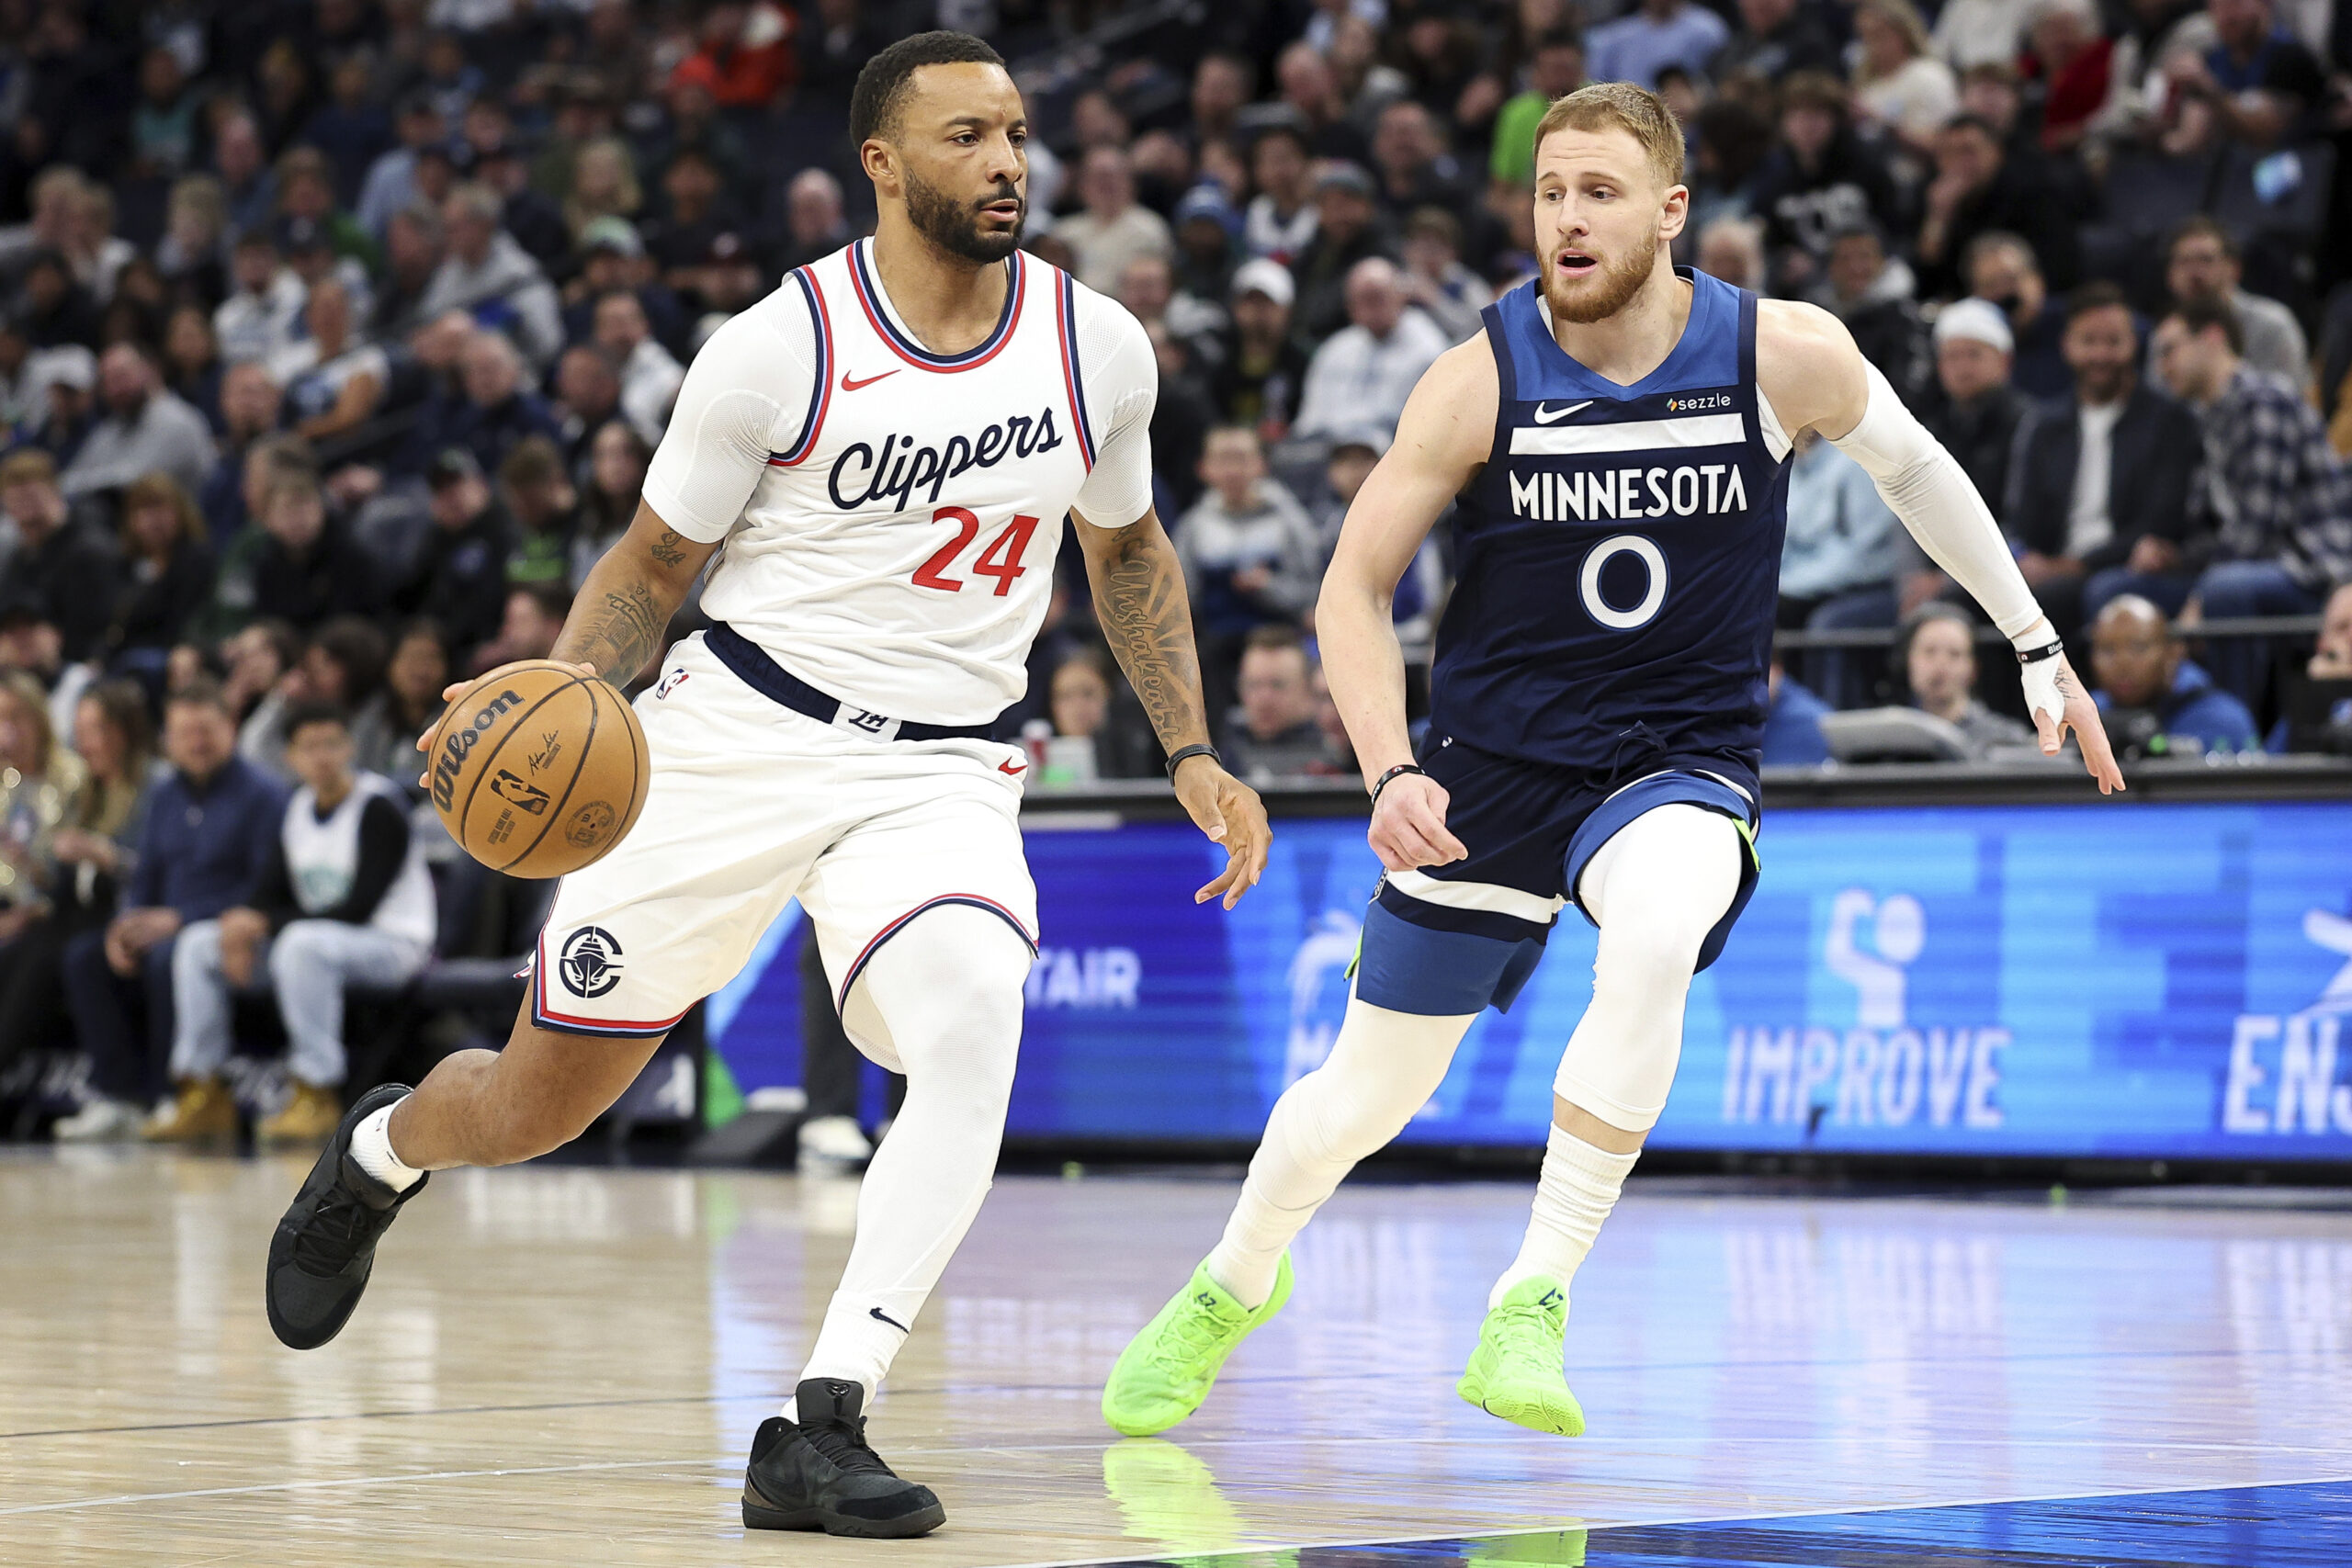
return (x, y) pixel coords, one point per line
(1229, 812)
(450, 695)
(1409, 825)
(2076, 712)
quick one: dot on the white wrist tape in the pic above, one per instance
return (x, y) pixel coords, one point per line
(1931, 492)
(2041, 680)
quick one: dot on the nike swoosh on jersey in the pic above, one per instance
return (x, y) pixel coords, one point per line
(850, 385)
(1543, 414)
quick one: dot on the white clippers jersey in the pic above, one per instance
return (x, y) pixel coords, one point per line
(891, 515)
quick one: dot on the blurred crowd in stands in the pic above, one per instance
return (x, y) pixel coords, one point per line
(335, 336)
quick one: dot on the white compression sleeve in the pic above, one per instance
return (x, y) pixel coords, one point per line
(1383, 1067)
(1931, 492)
(1657, 887)
(947, 990)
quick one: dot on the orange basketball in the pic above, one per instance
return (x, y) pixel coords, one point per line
(537, 770)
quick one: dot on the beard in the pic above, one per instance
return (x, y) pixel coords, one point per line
(954, 227)
(1607, 290)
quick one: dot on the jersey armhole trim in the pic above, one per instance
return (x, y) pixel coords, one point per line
(1506, 389)
(1768, 428)
(821, 396)
(1066, 325)
(1768, 423)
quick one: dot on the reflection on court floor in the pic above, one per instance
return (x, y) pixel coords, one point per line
(562, 1365)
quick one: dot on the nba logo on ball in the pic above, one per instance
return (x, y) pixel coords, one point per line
(589, 963)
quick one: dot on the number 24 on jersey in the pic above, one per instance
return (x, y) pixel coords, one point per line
(1001, 560)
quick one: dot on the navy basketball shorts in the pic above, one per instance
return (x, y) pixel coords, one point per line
(1448, 940)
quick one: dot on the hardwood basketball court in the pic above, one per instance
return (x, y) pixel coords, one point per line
(562, 1365)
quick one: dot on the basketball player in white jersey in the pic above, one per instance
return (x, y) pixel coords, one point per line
(1588, 743)
(875, 460)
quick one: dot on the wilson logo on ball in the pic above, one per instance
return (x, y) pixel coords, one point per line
(460, 744)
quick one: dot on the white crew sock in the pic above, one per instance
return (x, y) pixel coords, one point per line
(1383, 1067)
(1578, 1187)
(371, 1149)
(946, 993)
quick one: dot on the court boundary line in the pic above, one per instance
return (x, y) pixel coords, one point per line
(1665, 1524)
(1174, 1557)
(1269, 1381)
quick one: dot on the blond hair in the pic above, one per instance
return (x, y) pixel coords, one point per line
(1620, 106)
(1904, 18)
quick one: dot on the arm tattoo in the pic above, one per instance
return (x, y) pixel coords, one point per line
(618, 635)
(1139, 596)
(669, 549)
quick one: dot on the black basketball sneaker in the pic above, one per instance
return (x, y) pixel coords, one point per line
(819, 1474)
(325, 1245)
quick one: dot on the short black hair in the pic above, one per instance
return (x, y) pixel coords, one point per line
(302, 715)
(2199, 314)
(2201, 223)
(2099, 294)
(1287, 131)
(552, 599)
(354, 643)
(873, 102)
(204, 692)
(1277, 636)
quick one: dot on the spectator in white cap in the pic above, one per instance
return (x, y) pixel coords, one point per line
(63, 382)
(1976, 411)
(1261, 368)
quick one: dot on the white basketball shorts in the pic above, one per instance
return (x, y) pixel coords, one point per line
(753, 805)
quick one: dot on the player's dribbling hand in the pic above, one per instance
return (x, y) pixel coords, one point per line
(450, 695)
(1230, 813)
(1409, 825)
(2079, 713)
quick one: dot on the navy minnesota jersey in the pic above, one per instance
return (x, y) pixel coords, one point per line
(1618, 557)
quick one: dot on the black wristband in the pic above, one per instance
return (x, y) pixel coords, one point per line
(2036, 655)
(1181, 752)
(1382, 782)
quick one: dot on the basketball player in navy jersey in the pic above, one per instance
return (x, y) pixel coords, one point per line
(1615, 445)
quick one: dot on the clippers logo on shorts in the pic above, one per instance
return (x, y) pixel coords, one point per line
(460, 744)
(589, 963)
(858, 719)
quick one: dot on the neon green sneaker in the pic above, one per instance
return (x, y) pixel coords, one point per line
(1169, 1367)
(1515, 1372)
